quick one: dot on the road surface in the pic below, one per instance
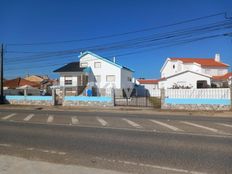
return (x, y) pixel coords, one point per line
(132, 143)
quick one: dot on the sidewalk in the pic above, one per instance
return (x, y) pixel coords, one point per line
(121, 109)
(12, 165)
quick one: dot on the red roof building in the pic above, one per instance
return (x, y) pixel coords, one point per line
(202, 61)
(18, 82)
(227, 76)
(148, 81)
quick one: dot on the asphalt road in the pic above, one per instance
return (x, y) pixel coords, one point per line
(122, 142)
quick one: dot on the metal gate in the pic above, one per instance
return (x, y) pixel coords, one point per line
(137, 99)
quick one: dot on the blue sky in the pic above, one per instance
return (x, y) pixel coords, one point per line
(64, 20)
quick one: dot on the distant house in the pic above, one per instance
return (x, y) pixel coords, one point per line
(19, 83)
(36, 78)
(43, 81)
(94, 71)
(191, 72)
(148, 86)
(223, 80)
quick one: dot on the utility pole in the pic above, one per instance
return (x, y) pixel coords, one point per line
(1, 76)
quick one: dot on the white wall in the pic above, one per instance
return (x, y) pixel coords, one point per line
(192, 67)
(215, 71)
(169, 70)
(152, 89)
(175, 66)
(125, 82)
(73, 76)
(185, 79)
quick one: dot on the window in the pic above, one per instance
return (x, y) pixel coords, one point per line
(129, 79)
(68, 80)
(173, 66)
(98, 78)
(84, 64)
(97, 64)
(110, 78)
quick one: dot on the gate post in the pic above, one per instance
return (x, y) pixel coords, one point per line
(162, 95)
(231, 97)
(146, 96)
(25, 93)
(63, 96)
(113, 96)
(53, 97)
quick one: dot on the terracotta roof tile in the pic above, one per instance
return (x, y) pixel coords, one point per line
(14, 83)
(148, 81)
(223, 77)
(201, 61)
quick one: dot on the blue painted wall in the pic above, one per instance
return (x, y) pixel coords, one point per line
(21, 97)
(197, 101)
(88, 99)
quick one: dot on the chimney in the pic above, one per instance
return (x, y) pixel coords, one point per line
(114, 59)
(217, 57)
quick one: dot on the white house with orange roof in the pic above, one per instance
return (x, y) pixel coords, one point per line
(223, 80)
(191, 72)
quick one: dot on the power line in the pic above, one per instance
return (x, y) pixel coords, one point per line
(130, 53)
(120, 34)
(141, 40)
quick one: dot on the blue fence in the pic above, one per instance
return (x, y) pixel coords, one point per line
(88, 99)
(21, 97)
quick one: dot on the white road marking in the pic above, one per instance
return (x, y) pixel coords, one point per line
(27, 118)
(5, 145)
(50, 119)
(61, 153)
(103, 122)
(132, 123)
(166, 125)
(200, 126)
(74, 120)
(8, 116)
(45, 151)
(226, 125)
(30, 148)
(151, 166)
(225, 135)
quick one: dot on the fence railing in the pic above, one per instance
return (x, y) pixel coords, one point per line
(219, 93)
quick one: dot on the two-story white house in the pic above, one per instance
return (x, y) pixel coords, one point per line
(104, 72)
(94, 71)
(191, 72)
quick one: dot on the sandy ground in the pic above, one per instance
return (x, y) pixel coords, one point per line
(12, 165)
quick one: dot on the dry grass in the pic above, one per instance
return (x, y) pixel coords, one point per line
(155, 101)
